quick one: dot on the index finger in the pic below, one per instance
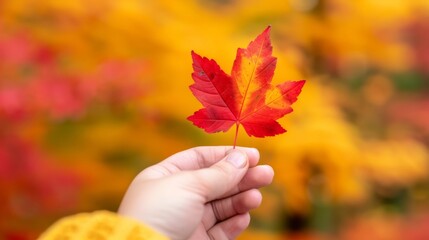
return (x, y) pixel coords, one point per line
(199, 157)
(203, 157)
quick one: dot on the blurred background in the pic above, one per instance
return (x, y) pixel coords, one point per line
(93, 91)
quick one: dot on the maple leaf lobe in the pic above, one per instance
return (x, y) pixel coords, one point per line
(214, 89)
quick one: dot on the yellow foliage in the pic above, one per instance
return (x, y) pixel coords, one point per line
(395, 163)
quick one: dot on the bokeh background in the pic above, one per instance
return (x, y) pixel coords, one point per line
(93, 91)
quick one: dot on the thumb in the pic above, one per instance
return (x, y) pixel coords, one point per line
(215, 181)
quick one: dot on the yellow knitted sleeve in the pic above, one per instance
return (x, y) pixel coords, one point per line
(100, 225)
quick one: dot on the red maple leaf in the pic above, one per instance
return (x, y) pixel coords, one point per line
(246, 97)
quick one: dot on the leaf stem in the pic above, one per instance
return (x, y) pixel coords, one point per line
(237, 124)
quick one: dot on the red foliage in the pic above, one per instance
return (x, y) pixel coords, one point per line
(33, 84)
(418, 32)
(32, 188)
(412, 112)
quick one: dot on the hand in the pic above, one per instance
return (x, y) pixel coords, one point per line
(200, 193)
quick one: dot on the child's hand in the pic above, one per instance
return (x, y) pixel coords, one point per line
(200, 193)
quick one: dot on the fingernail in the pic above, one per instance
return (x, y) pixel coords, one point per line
(237, 158)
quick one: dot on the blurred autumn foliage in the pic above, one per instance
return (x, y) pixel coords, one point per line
(93, 91)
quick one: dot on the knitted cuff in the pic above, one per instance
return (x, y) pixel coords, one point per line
(100, 225)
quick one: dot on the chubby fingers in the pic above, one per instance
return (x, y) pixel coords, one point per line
(255, 177)
(222, 209)
(230, 228)
(197, 158)
(214, 182)
(203, 157)
(242, 198)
